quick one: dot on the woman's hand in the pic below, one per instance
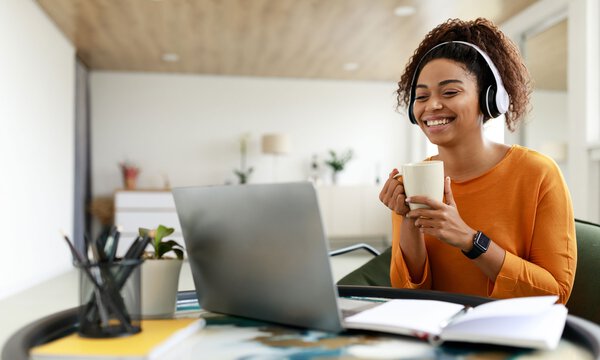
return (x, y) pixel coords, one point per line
(442, 220)
(392, 194)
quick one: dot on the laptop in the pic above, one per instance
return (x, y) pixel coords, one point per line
(259, 251)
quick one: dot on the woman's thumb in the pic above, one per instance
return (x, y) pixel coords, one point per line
(448, 191)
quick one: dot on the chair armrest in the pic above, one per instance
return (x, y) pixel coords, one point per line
(350, 248)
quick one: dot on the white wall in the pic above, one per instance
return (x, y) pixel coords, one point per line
(583, 88)
(547, 120)
(547, 124)
(583, 85)
(36, 146)
(188, 127)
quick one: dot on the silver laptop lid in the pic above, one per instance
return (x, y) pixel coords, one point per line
(259, 251)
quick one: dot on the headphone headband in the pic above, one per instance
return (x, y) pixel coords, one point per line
(494, 100)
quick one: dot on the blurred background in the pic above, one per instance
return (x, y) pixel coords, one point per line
(188, 92)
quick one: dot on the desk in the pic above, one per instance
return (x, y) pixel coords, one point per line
(227, 337)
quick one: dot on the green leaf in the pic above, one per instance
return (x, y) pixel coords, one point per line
(166, 246)
(163, 231)
(338, 163)
(159, 244)
(160, 233)
(143, 231)
(179, 253)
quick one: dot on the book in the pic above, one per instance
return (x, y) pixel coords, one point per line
(531, 322)
(155, 339)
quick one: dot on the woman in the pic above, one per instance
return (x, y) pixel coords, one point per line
(506, 226)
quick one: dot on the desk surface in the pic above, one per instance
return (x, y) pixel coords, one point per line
(227, 337)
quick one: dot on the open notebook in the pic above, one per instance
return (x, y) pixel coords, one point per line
(260, 251)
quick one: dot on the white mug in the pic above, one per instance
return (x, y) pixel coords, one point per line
(424, 179)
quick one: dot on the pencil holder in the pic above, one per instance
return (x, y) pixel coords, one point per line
(109, 295)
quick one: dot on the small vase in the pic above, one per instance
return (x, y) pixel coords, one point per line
(130, 183)
(160, 280)
(334, 177)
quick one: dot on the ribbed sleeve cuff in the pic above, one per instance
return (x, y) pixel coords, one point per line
(506, 281)
(407, 283)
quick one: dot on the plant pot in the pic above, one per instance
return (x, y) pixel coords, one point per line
(335, 177)
(130, 183)
(160, 281)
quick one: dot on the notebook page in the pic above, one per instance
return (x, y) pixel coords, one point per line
(538, 330)
(522, 306)
(413, 315)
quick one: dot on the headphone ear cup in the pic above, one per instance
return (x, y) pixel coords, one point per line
(487, 103)
(411, 115)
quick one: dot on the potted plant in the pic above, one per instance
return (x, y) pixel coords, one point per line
(160, 273)
(130, 173)
(244, 172)
(338, 163)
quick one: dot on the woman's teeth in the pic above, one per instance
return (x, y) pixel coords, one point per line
(437, 122)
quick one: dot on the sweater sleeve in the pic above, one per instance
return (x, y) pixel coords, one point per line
(551, 262)
(399, 275)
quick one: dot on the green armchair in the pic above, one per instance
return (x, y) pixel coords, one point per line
(585, 297)
(375, 272)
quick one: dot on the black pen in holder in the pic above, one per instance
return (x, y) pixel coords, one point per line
(109, 295)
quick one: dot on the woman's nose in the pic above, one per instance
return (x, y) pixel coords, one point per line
(434, 104)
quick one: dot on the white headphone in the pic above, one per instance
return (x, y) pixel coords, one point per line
(493, 100)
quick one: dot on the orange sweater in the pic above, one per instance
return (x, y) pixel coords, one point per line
(524, 206)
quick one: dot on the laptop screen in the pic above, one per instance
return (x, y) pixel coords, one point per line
(259, 251)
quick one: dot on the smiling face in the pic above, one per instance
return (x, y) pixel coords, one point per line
(447, 103)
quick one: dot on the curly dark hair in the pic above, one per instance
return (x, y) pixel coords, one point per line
(501, 50)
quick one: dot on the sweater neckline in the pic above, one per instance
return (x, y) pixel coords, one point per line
(510, 154)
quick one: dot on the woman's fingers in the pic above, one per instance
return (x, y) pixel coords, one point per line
(432, 204)
(384, 194)
(401, 208)
(392, 195)
(448, 192)
(396, 197)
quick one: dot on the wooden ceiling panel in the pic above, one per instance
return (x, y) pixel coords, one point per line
(268, 38)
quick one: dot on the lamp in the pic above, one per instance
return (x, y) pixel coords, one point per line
(275, 144)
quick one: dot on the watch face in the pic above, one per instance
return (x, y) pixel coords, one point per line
(480, 246)
(482, 242)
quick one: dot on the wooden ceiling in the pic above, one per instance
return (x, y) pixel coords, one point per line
(266, 38)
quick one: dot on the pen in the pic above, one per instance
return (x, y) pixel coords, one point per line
(108, 244)
(112, 249)
(84, 264)
(97, 288)
(453, 318)
(436, 340)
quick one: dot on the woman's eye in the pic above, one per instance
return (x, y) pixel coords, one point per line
(421, 97)
(450, 92)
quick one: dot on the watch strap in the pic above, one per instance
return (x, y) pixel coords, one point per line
(480, 245)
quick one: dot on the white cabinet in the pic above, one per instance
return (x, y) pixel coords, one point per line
(350, 214)
(354, 214)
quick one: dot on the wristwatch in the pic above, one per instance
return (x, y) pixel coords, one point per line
(480, 245)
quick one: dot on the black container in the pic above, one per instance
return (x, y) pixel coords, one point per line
(109, 297)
